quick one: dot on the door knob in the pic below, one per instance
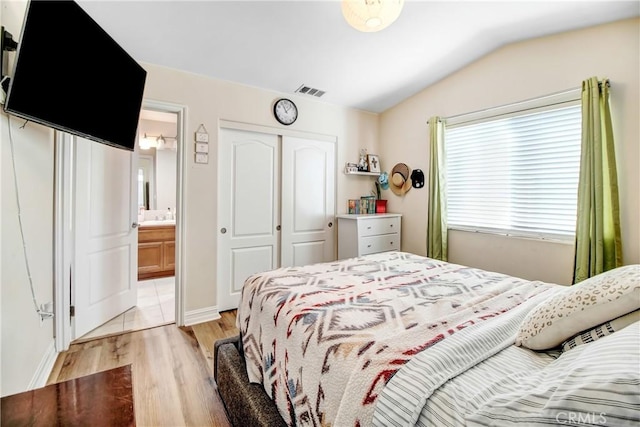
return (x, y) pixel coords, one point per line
(278, 227)
(134, 225)
(223, 230)
(330, 224)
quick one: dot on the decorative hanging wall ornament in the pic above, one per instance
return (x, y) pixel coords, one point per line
(371, 15)
(202, 144)
(201, 134)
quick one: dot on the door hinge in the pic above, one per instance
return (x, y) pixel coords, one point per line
(72, 311)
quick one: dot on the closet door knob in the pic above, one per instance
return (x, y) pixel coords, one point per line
(223, 230)
(278, 227)
(134, 225)
(330, 224)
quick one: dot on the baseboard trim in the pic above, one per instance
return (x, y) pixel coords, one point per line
(41, 376)
(201, 315)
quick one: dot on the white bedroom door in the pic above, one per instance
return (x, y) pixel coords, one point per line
(106, 238)
(308, 201)
(248, 210)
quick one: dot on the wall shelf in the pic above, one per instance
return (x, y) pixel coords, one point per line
(363, 173)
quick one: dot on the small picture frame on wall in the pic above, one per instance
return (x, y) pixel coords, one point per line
(373, 162)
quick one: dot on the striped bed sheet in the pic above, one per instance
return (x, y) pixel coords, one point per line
(479, 378)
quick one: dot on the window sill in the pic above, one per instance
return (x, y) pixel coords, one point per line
(561, 239)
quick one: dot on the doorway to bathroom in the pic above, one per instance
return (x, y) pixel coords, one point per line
(157, 201)
(98, 197)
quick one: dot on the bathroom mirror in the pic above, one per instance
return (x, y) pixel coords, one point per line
(157, 160)
(146, 182)
(157, 180)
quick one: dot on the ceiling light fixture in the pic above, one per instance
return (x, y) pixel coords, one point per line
(371, 15)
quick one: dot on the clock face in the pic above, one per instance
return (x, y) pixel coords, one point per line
(285, 111)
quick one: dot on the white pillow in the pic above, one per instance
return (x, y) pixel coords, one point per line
(589, 303)
(601, 331)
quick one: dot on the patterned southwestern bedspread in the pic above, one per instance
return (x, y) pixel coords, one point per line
(324, 339)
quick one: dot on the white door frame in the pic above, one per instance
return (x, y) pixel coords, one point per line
(63, 240)
(64, 234)
(181, 113)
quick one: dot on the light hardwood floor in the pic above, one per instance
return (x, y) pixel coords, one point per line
(172, 370)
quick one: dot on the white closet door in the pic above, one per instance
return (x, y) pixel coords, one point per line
(308, 201)
(248, 210)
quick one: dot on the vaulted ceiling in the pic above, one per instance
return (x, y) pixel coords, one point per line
(282, 45)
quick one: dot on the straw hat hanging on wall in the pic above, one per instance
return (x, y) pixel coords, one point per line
(400, 181)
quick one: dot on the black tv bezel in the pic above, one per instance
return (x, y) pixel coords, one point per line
(29, 117)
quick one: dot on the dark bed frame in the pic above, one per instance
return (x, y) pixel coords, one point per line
(246, 404)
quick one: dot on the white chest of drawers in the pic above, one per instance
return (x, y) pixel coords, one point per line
(368, 234)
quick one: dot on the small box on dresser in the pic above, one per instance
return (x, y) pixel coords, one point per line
(367, 234)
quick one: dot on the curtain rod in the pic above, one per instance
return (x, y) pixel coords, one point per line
(514, 104)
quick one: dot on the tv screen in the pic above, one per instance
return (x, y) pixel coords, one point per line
(69, 74)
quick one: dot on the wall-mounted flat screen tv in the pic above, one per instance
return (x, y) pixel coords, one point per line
(69, 74)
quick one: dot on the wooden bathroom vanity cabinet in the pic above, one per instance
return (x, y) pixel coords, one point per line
(156, 250)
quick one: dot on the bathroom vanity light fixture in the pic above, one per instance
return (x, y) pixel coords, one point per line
(371, 15)
(158, 142)
(146, 142)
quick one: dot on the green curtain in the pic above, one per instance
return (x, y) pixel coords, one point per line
(437, 214)
(598, 240)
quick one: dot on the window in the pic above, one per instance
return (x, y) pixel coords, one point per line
(515, 172)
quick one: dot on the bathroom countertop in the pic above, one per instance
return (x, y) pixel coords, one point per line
(158, 223)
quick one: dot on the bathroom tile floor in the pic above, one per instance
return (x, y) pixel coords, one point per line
(156, 307)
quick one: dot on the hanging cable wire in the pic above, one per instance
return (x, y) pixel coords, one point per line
(43, 314)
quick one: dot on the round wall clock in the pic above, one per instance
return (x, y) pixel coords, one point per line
(285, 111)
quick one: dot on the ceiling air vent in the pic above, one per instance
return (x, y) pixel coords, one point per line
(310, 91)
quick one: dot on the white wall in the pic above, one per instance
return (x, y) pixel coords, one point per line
(25, 342)
(517, 72)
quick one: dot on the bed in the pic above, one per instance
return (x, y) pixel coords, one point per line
(399, 339)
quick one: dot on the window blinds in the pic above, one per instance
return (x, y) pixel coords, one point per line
(516, 173)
